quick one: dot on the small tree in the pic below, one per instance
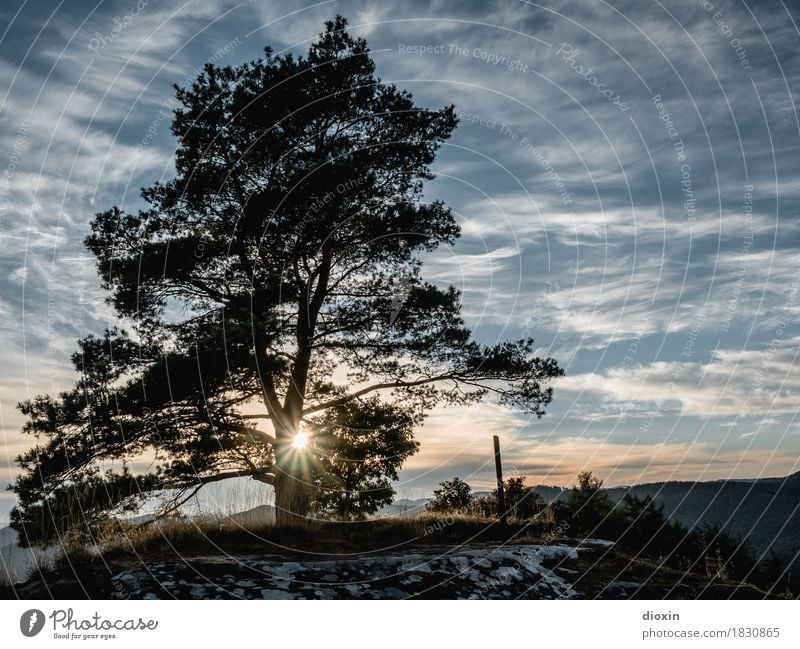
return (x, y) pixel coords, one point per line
(522, 502)
(453, 495)
(358, 449)
(646, 527)
(588, 506)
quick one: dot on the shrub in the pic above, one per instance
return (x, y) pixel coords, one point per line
(453, 495)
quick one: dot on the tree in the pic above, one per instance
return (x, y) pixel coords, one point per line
(589, 508)
(452, 495)
(288, 245)
(359, 447)
(647, 529)
(522, 502)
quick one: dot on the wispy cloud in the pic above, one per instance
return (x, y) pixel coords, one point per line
(583, 225)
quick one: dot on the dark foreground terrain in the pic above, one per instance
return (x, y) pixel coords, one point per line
(561, 570)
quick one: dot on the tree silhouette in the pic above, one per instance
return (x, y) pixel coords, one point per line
(358, 449)
(522, 502)
(278, 275)
(588, 508)
(452, 495)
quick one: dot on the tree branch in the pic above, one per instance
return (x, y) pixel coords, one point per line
(372, 388)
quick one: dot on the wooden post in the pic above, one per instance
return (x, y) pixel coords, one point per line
(501, 492)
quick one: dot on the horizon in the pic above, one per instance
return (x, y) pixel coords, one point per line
(222, 509)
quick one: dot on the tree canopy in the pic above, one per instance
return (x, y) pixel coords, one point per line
(261, 289)
(358, 449)
(452, 495)
(522, 502)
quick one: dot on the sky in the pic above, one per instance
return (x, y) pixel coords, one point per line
(624, 173)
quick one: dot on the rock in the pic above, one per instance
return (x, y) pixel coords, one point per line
(474, 571)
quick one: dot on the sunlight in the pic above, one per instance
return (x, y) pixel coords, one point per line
(300, 441)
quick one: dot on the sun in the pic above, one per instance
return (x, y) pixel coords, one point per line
(300, 441)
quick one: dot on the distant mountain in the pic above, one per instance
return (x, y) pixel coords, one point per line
(765, 511)
(551, 494)
(261, 515)
(404, 507)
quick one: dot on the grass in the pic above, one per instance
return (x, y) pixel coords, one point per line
(191, 538)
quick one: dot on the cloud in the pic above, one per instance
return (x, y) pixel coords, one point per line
(582, 225)
(735, 382)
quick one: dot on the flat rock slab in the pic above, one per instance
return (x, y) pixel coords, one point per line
(508, 572)
(569, 569)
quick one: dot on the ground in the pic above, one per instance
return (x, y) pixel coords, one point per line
(564, 569)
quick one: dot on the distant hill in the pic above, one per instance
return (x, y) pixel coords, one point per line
(404, 507)
(765, 511)
(261, 515)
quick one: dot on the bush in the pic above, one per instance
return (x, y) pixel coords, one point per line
(589, 510)
(522, 502)
(452, 496)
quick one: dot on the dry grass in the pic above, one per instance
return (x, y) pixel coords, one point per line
(184, 537)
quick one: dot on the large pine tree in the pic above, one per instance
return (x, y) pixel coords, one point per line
(278, 276)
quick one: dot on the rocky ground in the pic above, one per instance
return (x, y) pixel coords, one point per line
(564, 570)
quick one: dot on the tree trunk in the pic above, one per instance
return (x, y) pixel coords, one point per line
(293, 488)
